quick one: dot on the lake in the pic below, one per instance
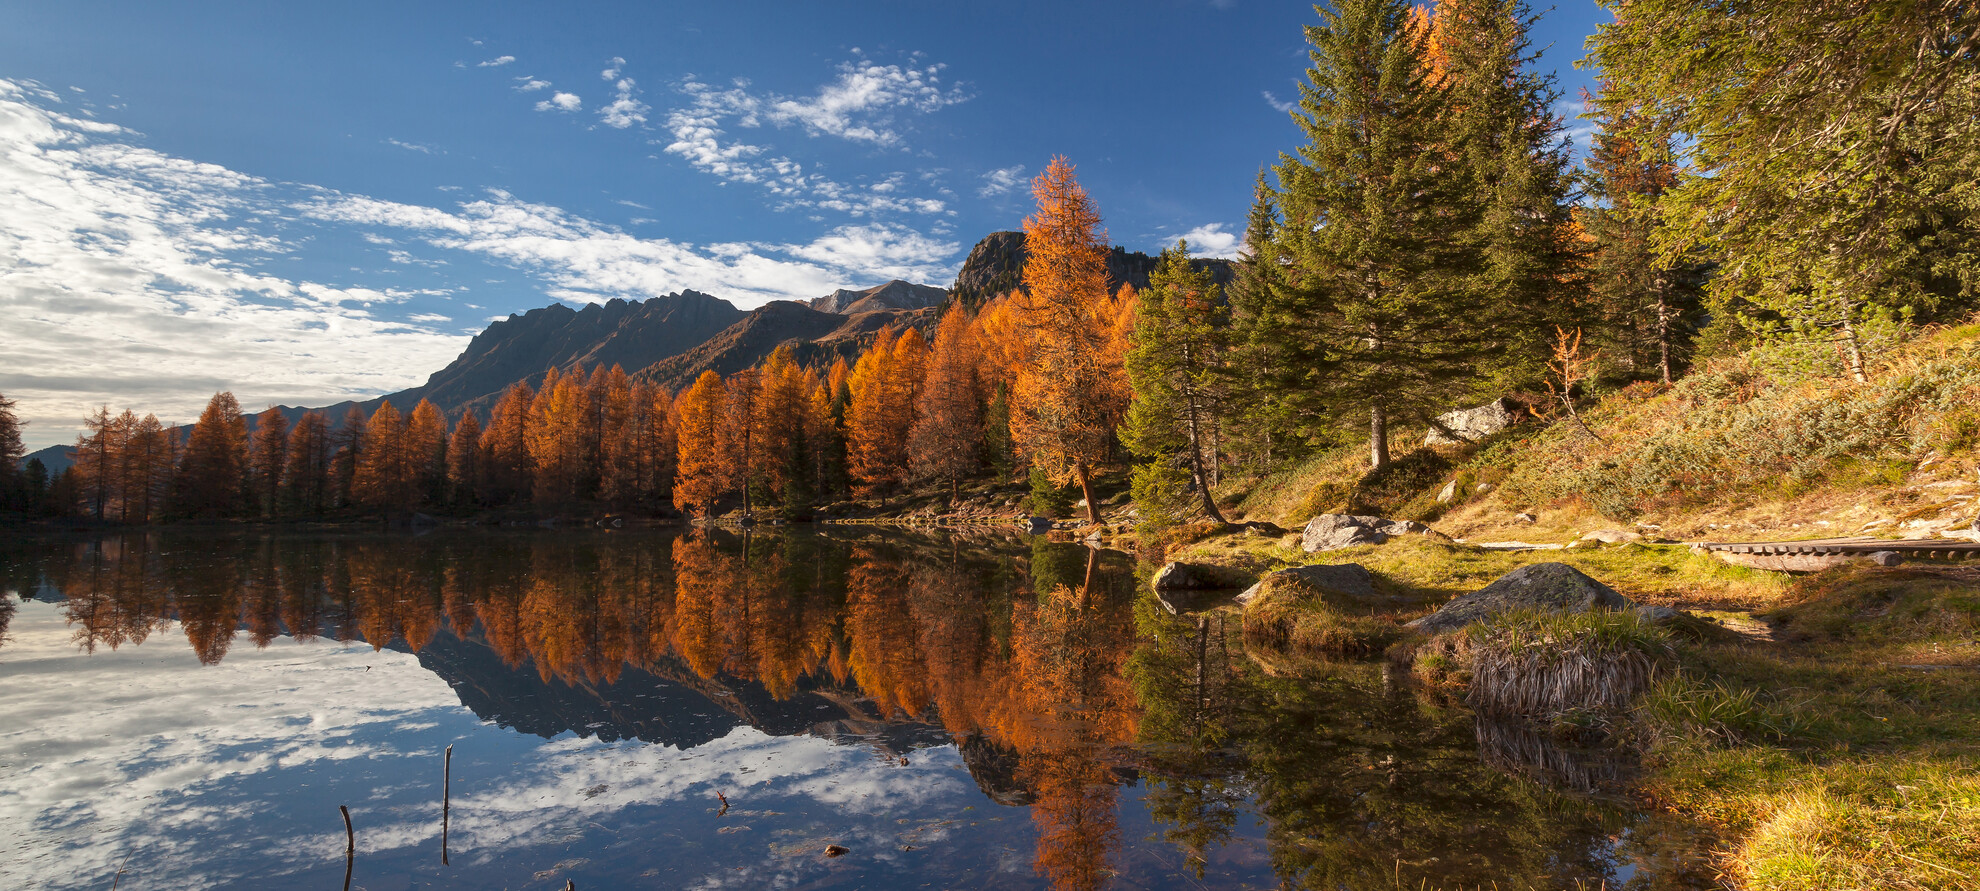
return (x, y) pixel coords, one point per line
(704, 709)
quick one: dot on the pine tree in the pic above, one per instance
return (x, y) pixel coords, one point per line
(1522, 252)
(1367, 314)
(1176, 366)
(1066, 401)
(1651, 303)
(1831, 152)
(267, 458)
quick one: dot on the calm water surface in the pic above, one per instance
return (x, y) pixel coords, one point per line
(959, 712)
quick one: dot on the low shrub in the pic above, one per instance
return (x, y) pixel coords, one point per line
(1288, 614)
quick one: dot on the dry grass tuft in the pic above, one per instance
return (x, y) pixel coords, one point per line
(1550, 665)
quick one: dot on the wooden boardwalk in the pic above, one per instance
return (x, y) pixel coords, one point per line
(1821, 553)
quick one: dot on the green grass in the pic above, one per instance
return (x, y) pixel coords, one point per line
(1420, 568)
(1288, 614)
(1823, 764)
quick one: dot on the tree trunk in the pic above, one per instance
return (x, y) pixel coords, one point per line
(1378, 438)
(1086, 488)
(1196, 468)
(1664, 325)
(1854, 348)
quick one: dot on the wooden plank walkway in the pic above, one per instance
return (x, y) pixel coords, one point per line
(1923, 549)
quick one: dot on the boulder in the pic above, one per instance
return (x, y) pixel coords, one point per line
(1557, 587)
(1351, 579)
(1611, 536)
(1449, 492)
(1040, 525)
(1473, 424)
(1180, 576)
(1330, 532)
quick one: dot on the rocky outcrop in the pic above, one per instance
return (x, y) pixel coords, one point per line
(996, 265)
(895, 294)
(1330, 532)
(1473, 424)
(1179, 585)
(1351, 579)
(1553, 587)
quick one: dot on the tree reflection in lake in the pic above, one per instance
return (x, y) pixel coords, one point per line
(1059, 684)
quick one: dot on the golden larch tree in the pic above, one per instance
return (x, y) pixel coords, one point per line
(1066, 401)
(701, 475)
(426, 453)
(505, 466)
(945, 441)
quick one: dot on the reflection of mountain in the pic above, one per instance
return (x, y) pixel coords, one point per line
(663, 703)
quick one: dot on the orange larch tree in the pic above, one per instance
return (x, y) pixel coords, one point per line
(947, 434)
(1066, 400)
(426, 453)
(556, 437)
(306, 478)
(701, 475)
(464, 460)
(381, 479)
(267, 458)
(505, 463)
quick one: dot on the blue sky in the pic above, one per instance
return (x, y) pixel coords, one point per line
(310, 202)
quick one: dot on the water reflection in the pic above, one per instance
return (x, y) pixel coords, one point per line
(1060, 690)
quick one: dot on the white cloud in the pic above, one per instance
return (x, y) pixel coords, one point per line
(560, 102)
(420, 147)
(581, 260)
(1210, 240)
(857, 106)
(1001, 181)
(1275, 101)
(128, 277)
(625, 109)
(528, 84)
(496, 62)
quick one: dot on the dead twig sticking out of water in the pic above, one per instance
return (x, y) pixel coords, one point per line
(350, 846)
(725, 804)
(446, 801)
(120, 871)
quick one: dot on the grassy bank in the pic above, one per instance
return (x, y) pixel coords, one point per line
(1834, 743)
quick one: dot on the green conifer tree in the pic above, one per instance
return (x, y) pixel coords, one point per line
(1175, 364)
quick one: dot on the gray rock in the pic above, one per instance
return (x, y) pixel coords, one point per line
(1524, 517)
(1544, 586)
(1474, 424)
(1190, 577)
(1041, 525)
(1351, 579)
(1330, 532)
(1612, 536)
(1449, 492)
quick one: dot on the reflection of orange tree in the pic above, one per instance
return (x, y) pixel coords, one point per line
(884, 640)
(1071, 707)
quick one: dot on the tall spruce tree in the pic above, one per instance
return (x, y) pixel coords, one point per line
(1521, 249)
(1364, 314)
(1181, 329)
